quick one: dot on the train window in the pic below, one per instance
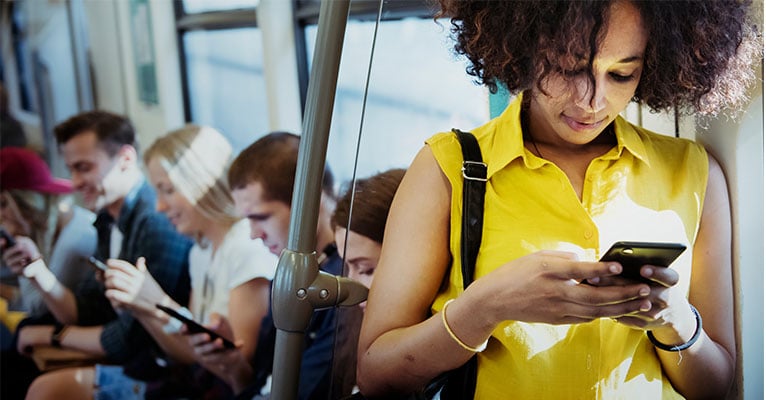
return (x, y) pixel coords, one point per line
(23, 58)
(226, 82)
(416, 88)
(196, 6)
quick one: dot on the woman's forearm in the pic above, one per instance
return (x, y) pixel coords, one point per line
(405, 359)
(58, 298)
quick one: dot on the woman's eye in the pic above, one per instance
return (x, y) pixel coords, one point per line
(166, 190)
(621, 78)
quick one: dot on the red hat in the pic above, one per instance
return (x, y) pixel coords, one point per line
(23, 169)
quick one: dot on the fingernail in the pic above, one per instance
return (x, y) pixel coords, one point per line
(614, 268)
(645, 306)
(644, 291)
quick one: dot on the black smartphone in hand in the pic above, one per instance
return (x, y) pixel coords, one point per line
(9, 240)
(194, 327)
(97, 264)
(633, 255)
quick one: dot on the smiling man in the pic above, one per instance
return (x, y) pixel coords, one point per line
(100, 153)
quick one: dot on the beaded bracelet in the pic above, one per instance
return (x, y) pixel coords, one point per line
(477, 349)
(682, 346)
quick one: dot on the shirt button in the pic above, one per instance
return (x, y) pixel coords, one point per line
(588, 234)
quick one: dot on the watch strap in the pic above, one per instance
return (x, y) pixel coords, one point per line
(57, 335)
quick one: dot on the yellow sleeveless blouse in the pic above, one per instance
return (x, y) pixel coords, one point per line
(649, 187)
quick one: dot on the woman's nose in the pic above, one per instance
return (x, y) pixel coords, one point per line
(161, 205)
(591, 95)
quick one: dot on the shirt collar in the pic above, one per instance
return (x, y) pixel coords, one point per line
(508, 141)
(139, 191)
(628, 138)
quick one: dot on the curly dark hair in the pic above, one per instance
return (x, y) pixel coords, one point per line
(699, 54)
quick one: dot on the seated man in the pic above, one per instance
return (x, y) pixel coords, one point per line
(99, 150)
(261, 179)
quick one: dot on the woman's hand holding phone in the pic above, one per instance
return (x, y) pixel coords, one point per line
(648, 262)
(545, 287)
(633, 256)
(228, 363)
(21, 254)
(193, 327)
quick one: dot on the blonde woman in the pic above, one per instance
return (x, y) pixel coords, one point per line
(230, 273)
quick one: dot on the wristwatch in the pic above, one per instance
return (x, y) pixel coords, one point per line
(57, 335)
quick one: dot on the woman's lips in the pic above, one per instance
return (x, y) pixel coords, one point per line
(581, 125)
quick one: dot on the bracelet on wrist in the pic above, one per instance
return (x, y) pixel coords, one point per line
(33, 267)
(477, 349)
(682, 346)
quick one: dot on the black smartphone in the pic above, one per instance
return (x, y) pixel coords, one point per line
(97, 264)
(195, 327)
(9, 240)
(633, 255)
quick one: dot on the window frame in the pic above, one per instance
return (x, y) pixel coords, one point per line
(305, 13)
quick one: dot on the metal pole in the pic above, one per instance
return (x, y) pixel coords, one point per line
(299, 287)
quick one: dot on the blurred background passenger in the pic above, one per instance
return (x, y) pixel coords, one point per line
(45, 224)
(359, 222)
(262, 179)
(100, 150)
(230, 273)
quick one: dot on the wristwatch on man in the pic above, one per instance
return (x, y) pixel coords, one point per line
(57, 335)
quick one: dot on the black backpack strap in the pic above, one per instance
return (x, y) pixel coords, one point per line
(474, 186)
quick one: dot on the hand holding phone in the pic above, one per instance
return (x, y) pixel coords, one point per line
(633, 255)
(195, 327)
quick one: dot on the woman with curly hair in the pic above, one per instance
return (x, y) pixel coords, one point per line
(567, 177)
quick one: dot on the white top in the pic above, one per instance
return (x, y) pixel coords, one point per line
(239, 259)
(115, 241)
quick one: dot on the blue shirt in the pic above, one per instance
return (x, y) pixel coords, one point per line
(316, 362)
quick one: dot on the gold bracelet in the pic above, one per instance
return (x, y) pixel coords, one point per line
(477, 349)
